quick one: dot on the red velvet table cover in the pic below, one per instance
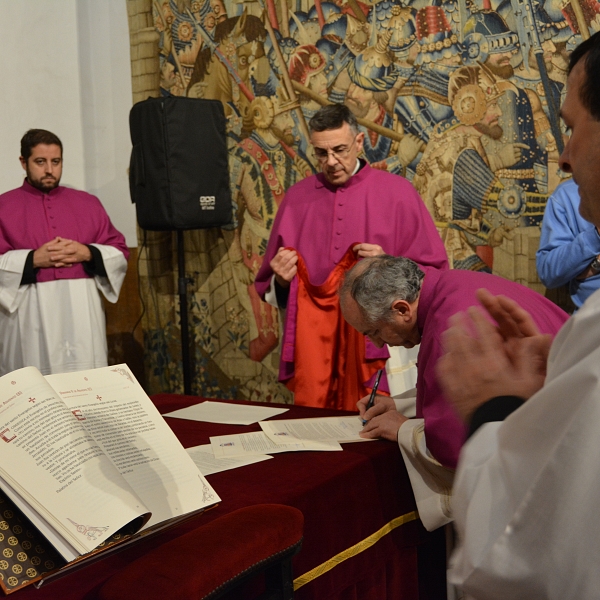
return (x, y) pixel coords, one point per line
(193, 565)
(355, 499)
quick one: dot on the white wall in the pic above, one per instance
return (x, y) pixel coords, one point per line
(67, 69)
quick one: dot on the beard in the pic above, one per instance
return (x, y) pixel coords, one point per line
(44, 185)
(502, 71)
(492, 131)
(285, 137)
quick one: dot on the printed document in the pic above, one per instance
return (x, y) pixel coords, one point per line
(205, 460)
(258, 443)
(323, 429)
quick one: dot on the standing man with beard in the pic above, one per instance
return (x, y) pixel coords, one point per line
(347, 211)
(58, 251)
(457, 178)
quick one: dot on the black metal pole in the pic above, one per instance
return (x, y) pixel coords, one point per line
(183, 312)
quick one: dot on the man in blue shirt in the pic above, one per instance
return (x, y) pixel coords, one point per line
(569, 246)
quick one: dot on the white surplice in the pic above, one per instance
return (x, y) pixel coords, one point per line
(57, 326)
(431, 482)
(527, 489)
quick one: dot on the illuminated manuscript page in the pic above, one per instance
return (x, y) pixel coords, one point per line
(114, 408)
(58, 469)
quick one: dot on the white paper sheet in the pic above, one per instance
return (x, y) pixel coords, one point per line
(257, 442)
(220, 412)
(323, 429)
(205, 460)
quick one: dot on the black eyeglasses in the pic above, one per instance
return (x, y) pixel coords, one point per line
(337, 153)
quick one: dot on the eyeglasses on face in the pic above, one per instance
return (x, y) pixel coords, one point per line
(338, 152)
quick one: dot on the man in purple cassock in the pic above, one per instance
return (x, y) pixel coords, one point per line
(392, 301)
(348, 204)
(58, 250)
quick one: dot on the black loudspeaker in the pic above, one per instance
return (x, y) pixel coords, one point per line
(178, 174)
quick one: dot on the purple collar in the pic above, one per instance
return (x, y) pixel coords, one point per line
(427, 295)
(29, 189)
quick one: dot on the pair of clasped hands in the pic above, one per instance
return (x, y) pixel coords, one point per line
(60, 252)
(284, 263)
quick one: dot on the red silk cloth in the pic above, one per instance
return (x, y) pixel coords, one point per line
(331, 367)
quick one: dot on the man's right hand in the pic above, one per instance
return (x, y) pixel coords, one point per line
(382, 404)
(284, 265)
(382, 420)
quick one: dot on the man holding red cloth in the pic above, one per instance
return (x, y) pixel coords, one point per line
(347, 207)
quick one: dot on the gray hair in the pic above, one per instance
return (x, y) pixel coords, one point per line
(376, 282)
(333, 116)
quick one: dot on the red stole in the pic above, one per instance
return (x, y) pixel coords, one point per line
(329, 356)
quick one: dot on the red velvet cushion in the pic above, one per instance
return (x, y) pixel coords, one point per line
(195, 564)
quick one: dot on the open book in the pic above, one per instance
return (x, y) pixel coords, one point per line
(86, 459)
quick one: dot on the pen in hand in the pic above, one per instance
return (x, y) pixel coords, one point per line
(373, 393)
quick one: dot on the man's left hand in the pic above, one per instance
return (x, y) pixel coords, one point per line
(364, 250)
(384, 426)
(69, 252)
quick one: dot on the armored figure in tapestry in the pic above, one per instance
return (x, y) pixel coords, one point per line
(458, 179)
(460, 97)
(261, 170)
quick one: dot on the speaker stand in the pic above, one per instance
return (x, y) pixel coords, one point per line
(183, 313)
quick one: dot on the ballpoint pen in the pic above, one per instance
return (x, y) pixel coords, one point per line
(373, 392)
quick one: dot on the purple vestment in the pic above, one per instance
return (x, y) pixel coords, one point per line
(444, 294)
(321, 221)
(56, 324)
(29, 218)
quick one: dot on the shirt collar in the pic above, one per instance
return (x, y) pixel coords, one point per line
(360, 173)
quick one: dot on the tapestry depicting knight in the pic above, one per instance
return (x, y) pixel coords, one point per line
(461, 97)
